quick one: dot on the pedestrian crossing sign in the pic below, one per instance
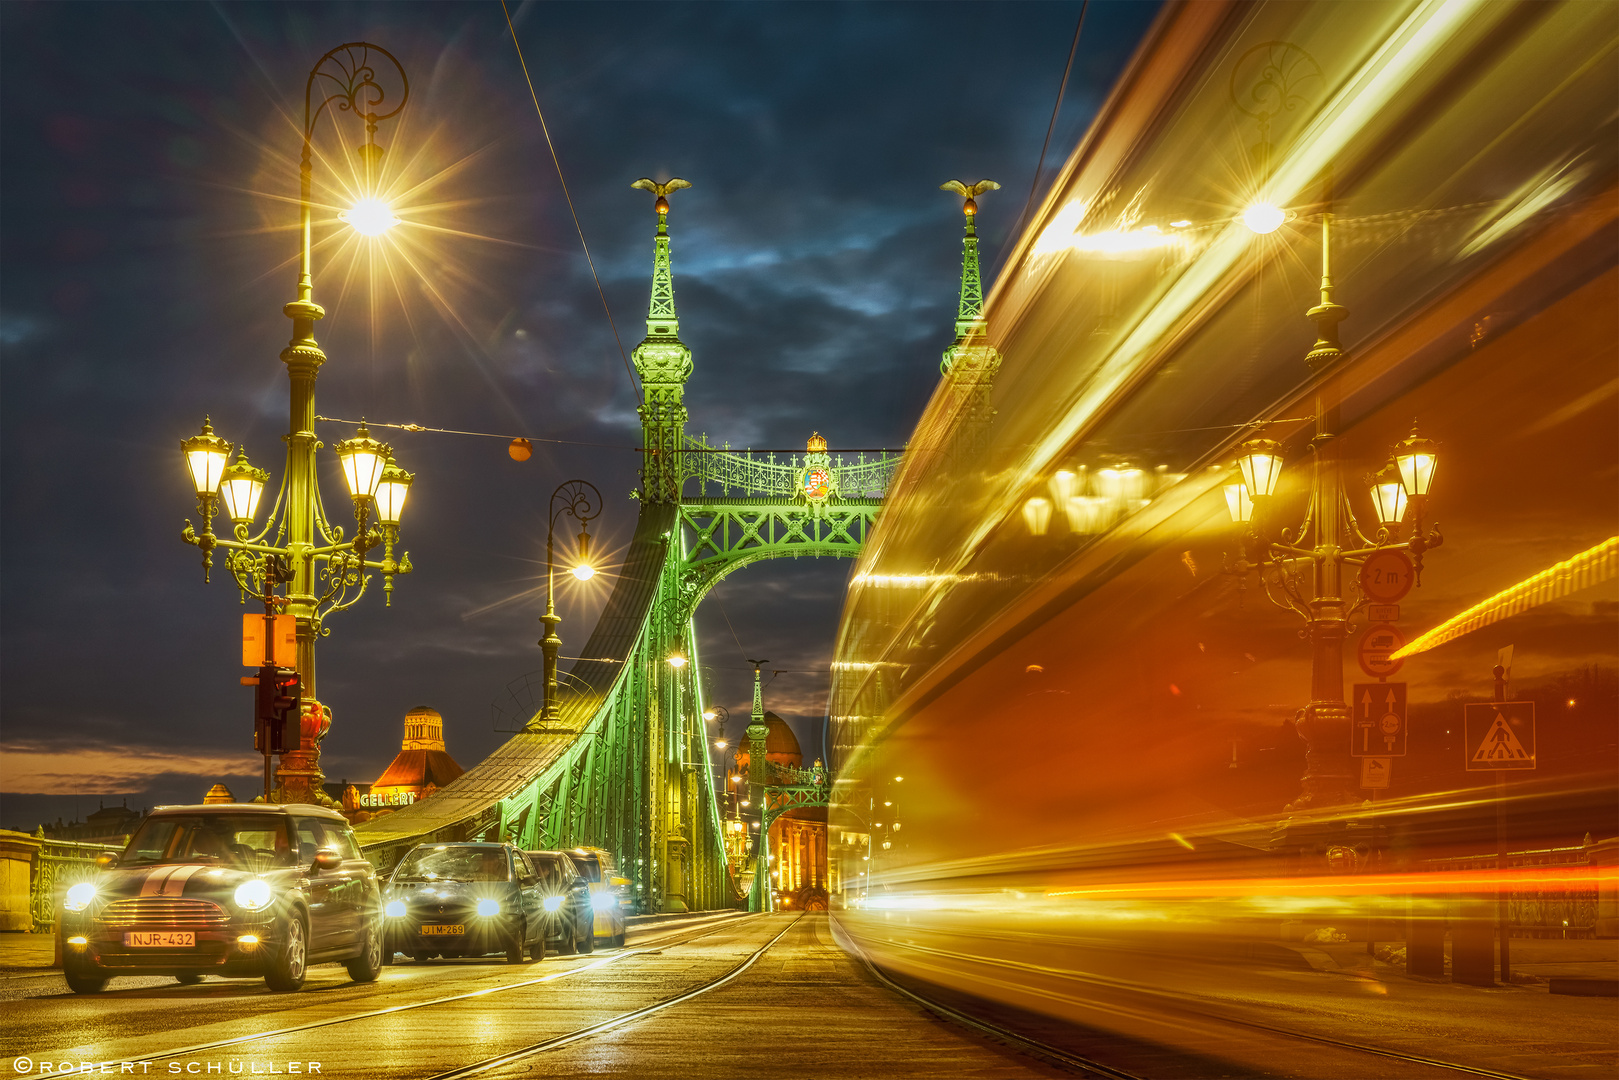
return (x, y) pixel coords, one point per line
(1500, 735)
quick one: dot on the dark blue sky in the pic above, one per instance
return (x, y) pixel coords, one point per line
(148, 167)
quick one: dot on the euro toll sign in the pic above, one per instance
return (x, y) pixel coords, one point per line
(1500, 735)
(1379, 727)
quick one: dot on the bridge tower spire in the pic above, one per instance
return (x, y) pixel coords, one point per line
(970, 311)
(664, 364)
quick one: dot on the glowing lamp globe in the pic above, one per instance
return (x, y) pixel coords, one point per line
(584, 571)
(363, 459)
(1416, 458)
(1263, 218)
(240, 487)
(1261, 463)
(1388, 496)
(369, 217)
(206, 455)
(391, 492)
(677, 661)
(1238, 503)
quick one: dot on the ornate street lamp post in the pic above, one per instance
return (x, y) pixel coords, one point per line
(1327, 538)
(580, 500)
(328, 573)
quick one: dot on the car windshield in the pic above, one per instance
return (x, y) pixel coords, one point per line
(550, 866)
(253, 842)
(446, 862)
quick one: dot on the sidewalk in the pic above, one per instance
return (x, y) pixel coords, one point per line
(25, 952)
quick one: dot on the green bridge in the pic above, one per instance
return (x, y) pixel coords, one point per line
(626, 766)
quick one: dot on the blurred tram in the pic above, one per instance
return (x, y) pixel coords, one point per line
(1107, 752)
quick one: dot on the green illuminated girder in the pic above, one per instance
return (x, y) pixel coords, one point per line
(722, 536)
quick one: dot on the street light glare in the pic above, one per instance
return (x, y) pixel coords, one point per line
(369, 217)
(1263, 218)
(584, 571)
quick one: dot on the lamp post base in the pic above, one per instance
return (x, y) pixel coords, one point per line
(1329, 771)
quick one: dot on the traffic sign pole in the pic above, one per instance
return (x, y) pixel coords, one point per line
(1503, 916)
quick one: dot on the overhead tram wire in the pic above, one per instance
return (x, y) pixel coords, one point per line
(1056, 107)
(634, 384)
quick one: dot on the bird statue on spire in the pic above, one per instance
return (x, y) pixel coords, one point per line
(661, 190)
(969, 192)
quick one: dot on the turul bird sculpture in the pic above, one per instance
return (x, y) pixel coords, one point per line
(661, 190)
(969, 192)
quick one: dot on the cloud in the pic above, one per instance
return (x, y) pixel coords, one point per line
(34, 768)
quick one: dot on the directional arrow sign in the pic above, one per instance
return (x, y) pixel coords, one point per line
(1500, 735)
(1379, 727)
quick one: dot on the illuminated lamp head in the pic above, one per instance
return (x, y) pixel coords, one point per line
(369, 217)
(1263, 218)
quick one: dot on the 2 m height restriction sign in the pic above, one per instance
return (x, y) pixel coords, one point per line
(1500, 735)
(1379, 727)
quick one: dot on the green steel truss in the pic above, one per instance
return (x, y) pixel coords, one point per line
(626, 768)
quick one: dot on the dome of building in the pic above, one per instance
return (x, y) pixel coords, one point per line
(781, 745)
(422, 761)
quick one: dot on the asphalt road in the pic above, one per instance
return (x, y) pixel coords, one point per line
(800, 1008)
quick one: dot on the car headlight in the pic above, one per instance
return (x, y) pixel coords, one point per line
(604, 901)
(79, 896)
(395, 908)
(553, 903)
(488, 907)
(253, 894)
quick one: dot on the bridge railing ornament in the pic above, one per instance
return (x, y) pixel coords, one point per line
(721, 471)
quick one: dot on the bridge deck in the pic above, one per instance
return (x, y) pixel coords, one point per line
(480, 789)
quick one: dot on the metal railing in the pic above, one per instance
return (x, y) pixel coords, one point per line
(733, 472)
(1543, 913)
(59, 865)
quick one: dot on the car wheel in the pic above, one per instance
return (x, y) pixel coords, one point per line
(190, 978)
(514, 947)
(84, 977)
(287, 966)
(567, 946)
(587, 944)
(368, 965)
(536, 951)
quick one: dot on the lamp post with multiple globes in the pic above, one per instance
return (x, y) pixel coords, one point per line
(324, 572)
(1328, 538)
(580, 500)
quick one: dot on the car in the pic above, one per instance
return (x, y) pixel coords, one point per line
(570, 924)
(606, 892)
(233, 889)
(467, 899)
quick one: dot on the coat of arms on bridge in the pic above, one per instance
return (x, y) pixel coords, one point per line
(816, 480)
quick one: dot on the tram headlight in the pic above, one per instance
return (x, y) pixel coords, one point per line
(488, 907)
(253, 894)
(79, 896)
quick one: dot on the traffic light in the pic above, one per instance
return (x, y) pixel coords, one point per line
(277, 702)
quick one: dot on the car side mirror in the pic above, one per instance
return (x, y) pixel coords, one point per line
(105, 859)
(327, 860)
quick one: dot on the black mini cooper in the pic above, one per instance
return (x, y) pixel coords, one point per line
(233, 889)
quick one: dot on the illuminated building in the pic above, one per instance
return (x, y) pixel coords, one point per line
(421, 767)
(797, 837)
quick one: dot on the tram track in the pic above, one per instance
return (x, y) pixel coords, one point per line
(559, 1041)
(651, 947)
(1185, 1002)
